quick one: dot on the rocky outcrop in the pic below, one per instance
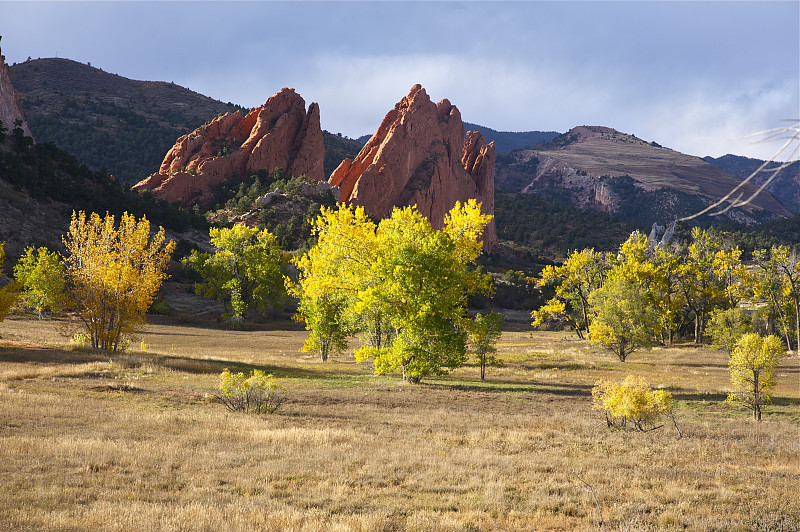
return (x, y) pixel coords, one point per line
(420, 156)
(10, 107)
(279, 134)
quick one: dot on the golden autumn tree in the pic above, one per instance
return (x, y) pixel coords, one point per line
(8, 292)
(752, 366)
(114, 272)
(580, 274)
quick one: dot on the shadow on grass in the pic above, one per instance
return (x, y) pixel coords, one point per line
(49, 355)
(560, 389)
(696, 365)
(54, 355)
(786, 401)
(214, 325)
(554, 365)
(698, 396)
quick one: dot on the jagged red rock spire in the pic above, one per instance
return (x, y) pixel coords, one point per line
(10, 106)
(420, 156)
(279, 134)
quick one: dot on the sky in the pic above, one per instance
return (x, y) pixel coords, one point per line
(696, 77)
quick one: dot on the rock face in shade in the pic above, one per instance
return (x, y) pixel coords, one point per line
(279, 134)
(10, 107)
(420, 156)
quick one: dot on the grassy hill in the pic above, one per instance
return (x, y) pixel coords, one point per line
(106, 120)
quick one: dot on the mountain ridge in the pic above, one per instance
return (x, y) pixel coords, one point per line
(600, 168)
(107, 120)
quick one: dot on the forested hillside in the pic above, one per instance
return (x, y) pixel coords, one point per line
(106, 120)
(785, 186)
(41, 184)
(505, 141)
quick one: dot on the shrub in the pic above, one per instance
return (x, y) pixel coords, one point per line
(631, 401)
(81, 340)
(257, 393)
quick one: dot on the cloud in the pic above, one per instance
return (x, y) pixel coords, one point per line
(693, 76)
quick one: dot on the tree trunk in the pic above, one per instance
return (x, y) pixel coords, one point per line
(756, 399)
(797, 324)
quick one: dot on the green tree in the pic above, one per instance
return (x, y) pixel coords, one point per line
(770, 289)
(483, 332)
(726, 326)
(666, 290)
(324, 316)
(401, 284)
(114, 273)
(422, 278)
(701, 288)
(246, 271)
(41, 274)
(625, 317)
(780, 269)
(752, 365)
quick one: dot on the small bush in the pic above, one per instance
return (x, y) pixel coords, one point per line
(81, 340)
(631, 401)
(257, 393)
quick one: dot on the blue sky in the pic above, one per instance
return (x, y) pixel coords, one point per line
(693, 76)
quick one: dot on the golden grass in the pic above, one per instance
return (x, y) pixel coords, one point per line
(140, 444)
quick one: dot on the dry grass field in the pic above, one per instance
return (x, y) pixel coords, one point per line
(140, 444)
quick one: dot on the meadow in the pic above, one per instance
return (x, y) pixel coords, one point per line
(137, 441)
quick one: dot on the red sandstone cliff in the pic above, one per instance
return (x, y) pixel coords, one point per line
(279, 134)
(420, 156)
(10, 108)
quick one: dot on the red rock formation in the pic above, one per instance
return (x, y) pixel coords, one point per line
(10, 108)
(279, 134)
(420, 156)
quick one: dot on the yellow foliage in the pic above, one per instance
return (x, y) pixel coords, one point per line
(752, 366)
(631, 401)
(8, 293)
(256, 393)
(114, 273)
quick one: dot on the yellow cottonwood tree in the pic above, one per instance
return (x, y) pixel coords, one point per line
(331, 274)
(752, 365)
(582, 273)
(402, 284)
(114, 273)
(9, 292)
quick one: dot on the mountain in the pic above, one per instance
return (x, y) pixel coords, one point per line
(506, 141)
(599, 168)
(11, 113)
(105, 120)
(420, 156)
(785, 187)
